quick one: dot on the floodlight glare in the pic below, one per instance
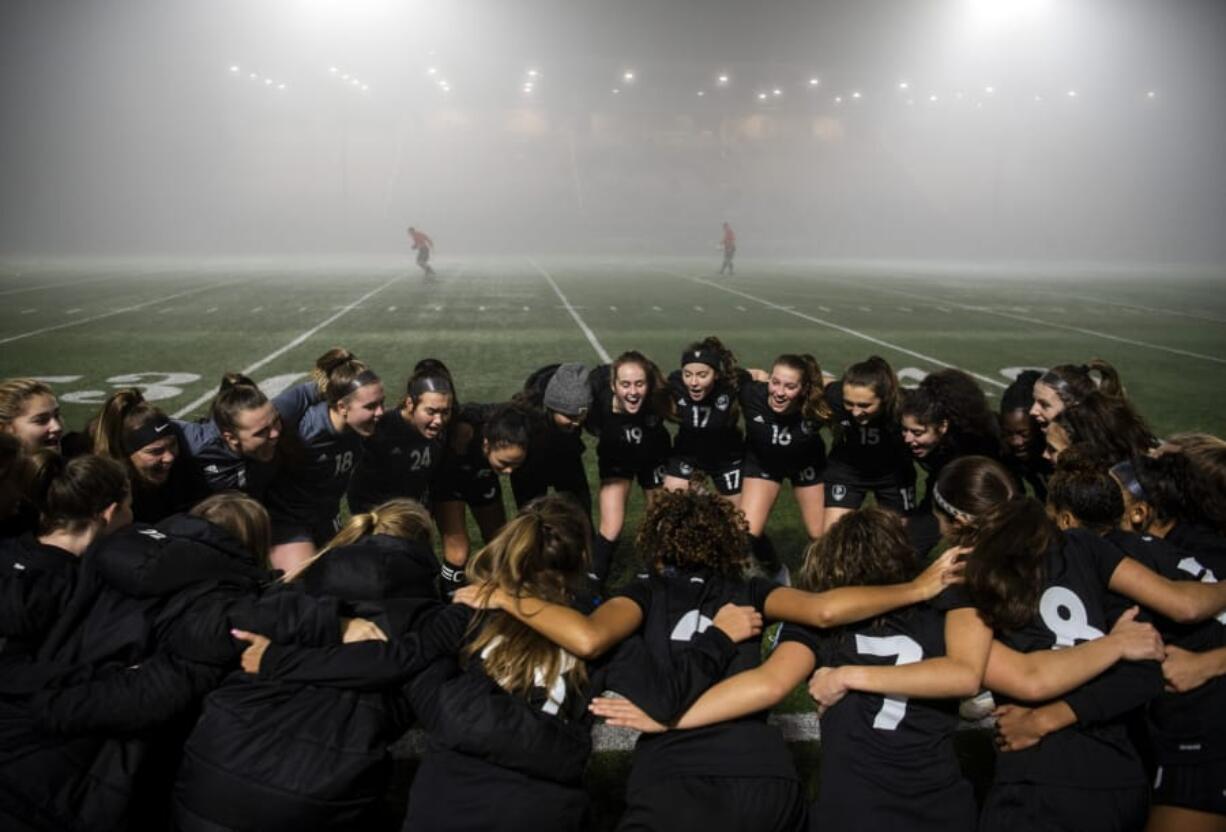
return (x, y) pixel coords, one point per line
(856, 95)
(532, 73)
(253, 76)
(838, 99)
(813, 82)
(280, 86)
(432, 71)
(1072, 93)
(1151, 94)
(933, 99)
(267, 81)
(989, 90)
(723, 79)
(627, 76)
(333, 70)
(616, 91)
(701, 93)
(365, 88)
(234, 67)
(776, 91)
(761, 96)
(903, 85)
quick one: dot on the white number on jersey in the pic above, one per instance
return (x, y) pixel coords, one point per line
(690, 625)
(419, 459)
(701, 415)
(343, 463)
(869, 436)
(1194, 568)
(908, 651)
(634, 436)
(1065, 615)
(780, 436)
(732, 479)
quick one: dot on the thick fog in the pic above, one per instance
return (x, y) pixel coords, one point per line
(954, 129)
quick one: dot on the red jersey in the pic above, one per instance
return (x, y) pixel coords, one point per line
(421, 239)
(729, 237)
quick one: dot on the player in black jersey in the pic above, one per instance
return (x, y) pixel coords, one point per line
(485, 441)
(143, 438)
(234, 449)
(325, 421)
(889, 762)
(706, 393)
(1067, 384)
(559, 396)
(1206, 456)
(1022, 435)
(945, 417)
(1038, 588)
(404, 453)
(630, 404)
(785, 410)
(868, 453)
(731, 775)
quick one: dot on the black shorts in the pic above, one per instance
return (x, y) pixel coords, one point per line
(846, 492)
(476, 485)
(286, 529)
(847, 801)
(801, 476)
(764, 804)
(1200, 787)
(725, 474)
(1023, 807)
(645, 463)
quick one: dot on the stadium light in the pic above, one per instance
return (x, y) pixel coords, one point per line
(813, 82)
(903, 85)
(776, 92)
(234, 67)
(333, 70)
(532, 73)
(723, 79)
(761, 96)
(838, 99)
(365, 88)
(1151, 94)
(989, 90)
(267, 81)
(701, 93)
(280, 86)
(616, 91)
(432, 70)
(628, 77)
(1072, 93)
(856, 95)
(933, 99)
(253, 76)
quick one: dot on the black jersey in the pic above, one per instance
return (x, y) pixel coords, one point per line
(1198, 540)
(464, 474)
(779, 442)
(1185, 727)
(220, 468)
(707, 429)
(676, 608)
(397, 461)
(895, 755)
(1073, 607)
(869, 453)
(626, 442)
(318, 461)
(36, 581)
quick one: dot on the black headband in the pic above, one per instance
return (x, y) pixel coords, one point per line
(428, 384)
(146, 434)
(702, 355)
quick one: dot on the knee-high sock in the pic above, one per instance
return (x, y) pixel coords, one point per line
(450, 579)
(602, 556)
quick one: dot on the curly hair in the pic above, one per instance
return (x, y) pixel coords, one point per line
(691, 529)
(1083, 487)
(868, 547)
(953, 397)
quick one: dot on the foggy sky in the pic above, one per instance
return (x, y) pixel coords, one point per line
(124, 129)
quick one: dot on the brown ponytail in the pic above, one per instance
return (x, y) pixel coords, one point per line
(125, 415)
(876, 374)
(338, 374)
(243, 517)
(237, 394)
(1010, 533)
(70, 494)
(401, 517)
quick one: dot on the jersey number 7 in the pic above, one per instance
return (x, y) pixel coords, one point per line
(907, 651)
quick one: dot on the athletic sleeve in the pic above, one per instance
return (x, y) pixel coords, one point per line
(638, 591)
(130, 700)
(31, 601)
(1121, 688)
(1103, 554)
(759, 590)
(363, 665)
(954, 597)
(800, 635)
(294, 402)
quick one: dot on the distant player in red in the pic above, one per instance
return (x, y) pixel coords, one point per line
(424, 246)
(729, 244)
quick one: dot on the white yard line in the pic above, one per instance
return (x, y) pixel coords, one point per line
(112, 313)
(185, 410)
(831, 325)
(1142, 308)
(587, 330)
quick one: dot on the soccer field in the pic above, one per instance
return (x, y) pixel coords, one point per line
(174, 327)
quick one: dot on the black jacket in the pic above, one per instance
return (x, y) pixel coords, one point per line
(304, 745)
(88, 743)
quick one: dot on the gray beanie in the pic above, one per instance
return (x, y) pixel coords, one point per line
(568, 391)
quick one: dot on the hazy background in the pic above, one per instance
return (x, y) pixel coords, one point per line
(135, 127)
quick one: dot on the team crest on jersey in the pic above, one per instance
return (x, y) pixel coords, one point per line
(322, 458)
(838, 492)
(722, 402)
(807, 427)
(397, 452)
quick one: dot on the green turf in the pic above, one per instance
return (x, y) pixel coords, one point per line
(1164, 331)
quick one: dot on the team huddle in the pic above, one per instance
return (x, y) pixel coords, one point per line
(194, 638)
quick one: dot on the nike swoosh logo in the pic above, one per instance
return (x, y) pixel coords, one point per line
(161, 428)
